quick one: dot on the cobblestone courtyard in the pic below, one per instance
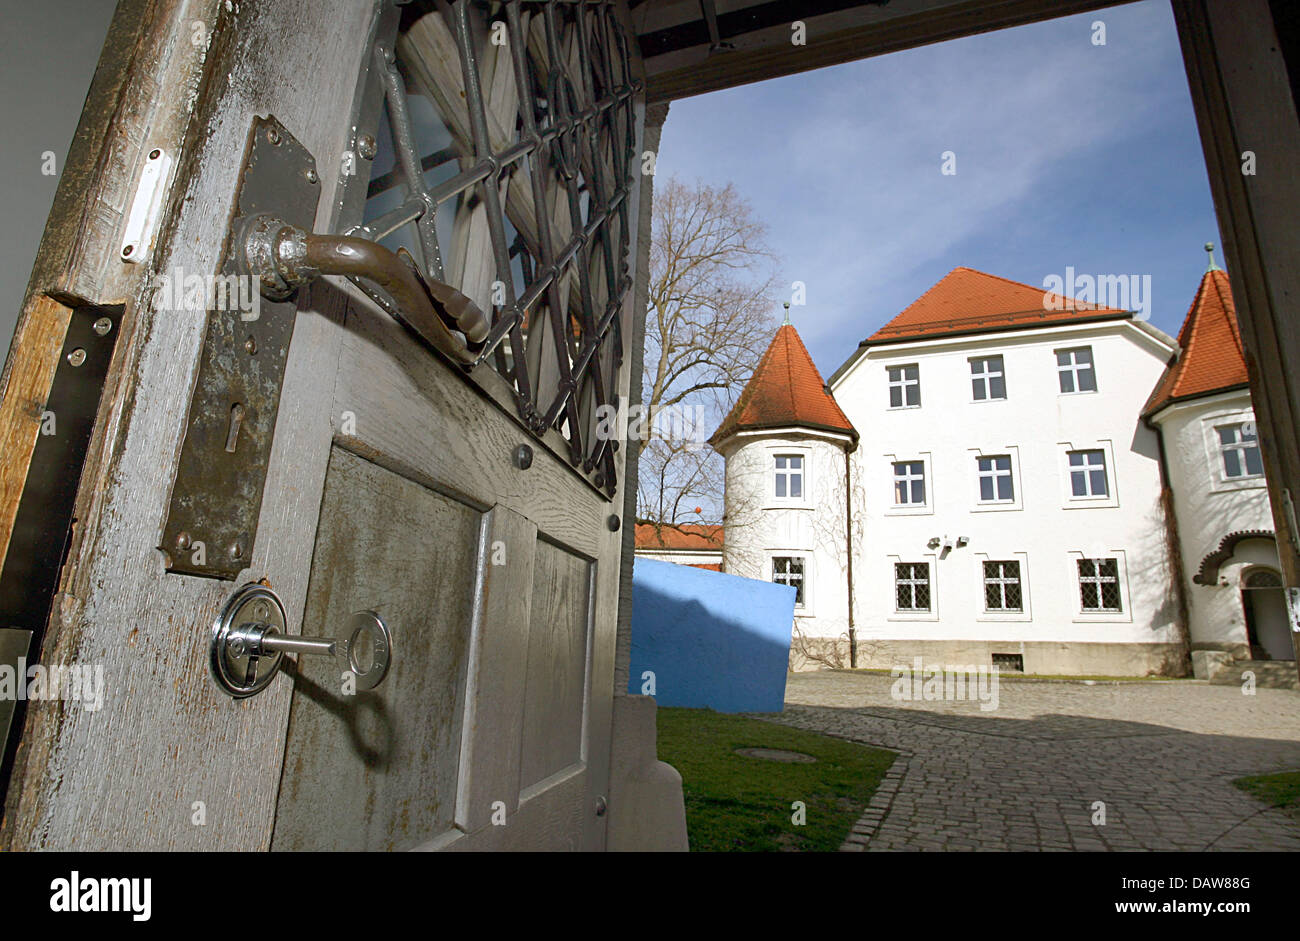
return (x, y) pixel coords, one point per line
(1026, 776)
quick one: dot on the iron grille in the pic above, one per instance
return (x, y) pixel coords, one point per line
(912, 585)
(789, 571)
(535, 173)
(1099, 584)
(1002, 586)
(1011, 662)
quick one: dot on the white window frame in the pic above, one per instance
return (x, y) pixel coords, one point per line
(1073, 368)
(982, 613)
(924, 458)
(772, 501)
(1240, 429)
(1125, 614)
(1068, 500)
(903, 384)
(913, 583)
(1220, 482)
(806, 608)
(909, 479)
(896, 614)
(789, 473)
(1002, 581)
(986, 375)
(1084, 471)
(979, 504)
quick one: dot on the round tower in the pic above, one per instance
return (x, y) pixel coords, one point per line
(786, 445)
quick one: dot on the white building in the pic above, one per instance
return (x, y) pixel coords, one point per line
(1202, 408)
(980, 480)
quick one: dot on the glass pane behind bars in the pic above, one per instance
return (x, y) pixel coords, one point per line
(526, 173)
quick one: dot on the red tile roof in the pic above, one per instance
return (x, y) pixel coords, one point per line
(786, 389)
(970, 301)
(701, 537)
(1210, 358)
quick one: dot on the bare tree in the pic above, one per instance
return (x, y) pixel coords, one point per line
(708, 323)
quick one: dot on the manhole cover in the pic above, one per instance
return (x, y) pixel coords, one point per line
(776, 754)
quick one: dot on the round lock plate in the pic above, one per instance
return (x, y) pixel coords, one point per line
(367, 648)
(234, 670)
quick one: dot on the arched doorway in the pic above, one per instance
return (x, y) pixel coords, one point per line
(1264, 605)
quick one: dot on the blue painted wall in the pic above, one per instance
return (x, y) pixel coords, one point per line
(711, 640)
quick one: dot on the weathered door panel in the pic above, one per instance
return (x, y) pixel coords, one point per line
(555, 685)
(376, 770)
(528, 581)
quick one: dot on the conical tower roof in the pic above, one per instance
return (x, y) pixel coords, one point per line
(786, 389)
(1211, 358)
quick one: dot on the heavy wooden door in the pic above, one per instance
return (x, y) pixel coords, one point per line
(465, 487)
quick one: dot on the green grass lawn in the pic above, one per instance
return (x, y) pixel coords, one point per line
(1277, 790)
(735, 802)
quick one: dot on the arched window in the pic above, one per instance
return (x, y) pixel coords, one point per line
(1262, 578)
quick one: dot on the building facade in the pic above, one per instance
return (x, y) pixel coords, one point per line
(985, 481)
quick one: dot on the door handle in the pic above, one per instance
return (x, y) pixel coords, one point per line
(248, 642)
(284, 257)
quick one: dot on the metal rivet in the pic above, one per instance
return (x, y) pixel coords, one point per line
(103, 325)
(366, 146)
(182, 540)
(261, 610)
(77, 356)
(601, 807)
(273, 135)
(311, 175)
(250, 346)
(614, 522)
(155, 154)
(598, 480)
(236, 550)
(127, 250)
(523, 457)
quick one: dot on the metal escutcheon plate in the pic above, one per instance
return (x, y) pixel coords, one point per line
(235, 672)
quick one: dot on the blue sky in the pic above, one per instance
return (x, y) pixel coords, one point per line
(1067, 154)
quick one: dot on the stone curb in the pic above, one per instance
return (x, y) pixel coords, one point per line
(879, 806)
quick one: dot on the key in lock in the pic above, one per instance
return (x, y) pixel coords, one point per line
(249, 640)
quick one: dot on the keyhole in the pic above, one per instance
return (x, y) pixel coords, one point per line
(236, 419)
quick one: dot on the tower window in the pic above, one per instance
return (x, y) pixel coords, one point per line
(789, 476)
(788, 570)
(1239, 446)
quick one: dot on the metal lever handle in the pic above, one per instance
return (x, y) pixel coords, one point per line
(248, 642)
(284, 257)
